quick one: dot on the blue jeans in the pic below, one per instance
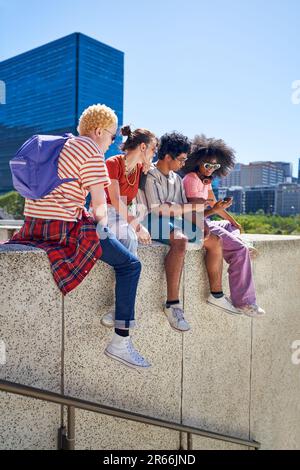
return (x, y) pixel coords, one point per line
(127, 270)
(123, 231)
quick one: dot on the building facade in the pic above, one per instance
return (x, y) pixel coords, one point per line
(288, 199)
(287, 169)
(233, 178)
(48, 87)
(260, 199)
(258, 174)
(261, 174)
(238, 195)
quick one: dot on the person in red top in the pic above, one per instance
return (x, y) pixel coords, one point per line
(125, 171)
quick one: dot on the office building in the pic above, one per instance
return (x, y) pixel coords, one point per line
(47, 89)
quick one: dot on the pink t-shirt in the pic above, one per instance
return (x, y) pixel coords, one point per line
(194, 187)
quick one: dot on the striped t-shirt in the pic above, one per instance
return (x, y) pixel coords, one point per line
(80, 158)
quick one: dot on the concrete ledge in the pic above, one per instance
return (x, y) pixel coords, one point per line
(8, 228)
(231, 375)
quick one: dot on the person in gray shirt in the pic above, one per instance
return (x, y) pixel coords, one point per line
(171, 220)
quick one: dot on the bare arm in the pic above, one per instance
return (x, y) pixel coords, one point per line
(99, 203)
(217, 207)
(119, 205)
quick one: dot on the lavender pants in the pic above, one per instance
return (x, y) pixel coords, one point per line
(236, 254)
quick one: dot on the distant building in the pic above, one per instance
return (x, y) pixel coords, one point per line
(287, 169)
(281, 198)
(238, 195)
(260, 198)
(4, 215)
(48, 87)
(215, 186)
(233, 178)
(261, 174)
(258, 174)
(288, 199)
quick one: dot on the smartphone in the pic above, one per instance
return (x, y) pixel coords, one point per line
(227, 199)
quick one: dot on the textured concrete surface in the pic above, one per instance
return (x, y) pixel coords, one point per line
(30, 327)
(216, 372)
(104, 432)
(27, 423)
(30, 319)
(89, 374)
(229, 375)
(202, 443)
(275, 385)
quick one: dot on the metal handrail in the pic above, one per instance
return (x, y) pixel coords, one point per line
(72, 403)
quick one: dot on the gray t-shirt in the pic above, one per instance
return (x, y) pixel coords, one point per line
(159, 189)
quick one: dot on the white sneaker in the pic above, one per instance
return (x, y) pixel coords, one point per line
(254, 253)
(122, 350)
(224, 303)
(175, 315)
(108, 319)
(252, 310)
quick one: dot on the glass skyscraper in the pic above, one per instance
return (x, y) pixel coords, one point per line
(48, 87)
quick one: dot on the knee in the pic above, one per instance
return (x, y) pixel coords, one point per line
(132, 245)
(206, 231)
(213, 242)
(136, 265)
(180, 244)
(238, 246)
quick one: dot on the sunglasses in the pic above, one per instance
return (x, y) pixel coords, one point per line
(211, 166)
(113, 136)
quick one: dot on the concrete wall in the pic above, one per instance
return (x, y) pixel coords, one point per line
(31, 329)
(228, 374)
(8, 228)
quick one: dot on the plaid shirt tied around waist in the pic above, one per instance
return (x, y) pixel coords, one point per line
(72, 247)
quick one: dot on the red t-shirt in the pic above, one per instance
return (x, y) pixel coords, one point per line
(116, 171)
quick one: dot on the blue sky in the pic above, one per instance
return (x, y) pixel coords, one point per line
(222, 67)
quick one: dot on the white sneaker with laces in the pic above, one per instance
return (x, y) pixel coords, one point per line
(108, 319)
(121, 349)
(224, 303)
(175, 316)
(252, 311)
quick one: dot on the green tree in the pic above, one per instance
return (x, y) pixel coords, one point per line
(269, 224)
(13, 204)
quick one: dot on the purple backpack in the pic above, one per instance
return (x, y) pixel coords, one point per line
(34, 167)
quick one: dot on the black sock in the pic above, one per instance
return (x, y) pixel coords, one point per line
(171, 302)
(217, 295)
(123, 333)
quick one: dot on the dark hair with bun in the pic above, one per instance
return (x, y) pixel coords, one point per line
(126, 131)
(136, 138)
